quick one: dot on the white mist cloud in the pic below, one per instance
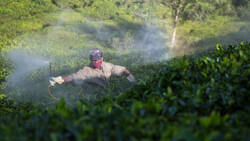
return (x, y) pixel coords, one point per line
(152, 43)
(24, 64)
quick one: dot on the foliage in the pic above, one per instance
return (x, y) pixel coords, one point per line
(202, 98)
(201, 10)
(191, 98)
(202, 35)
(18, 17)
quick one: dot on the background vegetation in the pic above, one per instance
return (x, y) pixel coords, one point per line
(202, 96)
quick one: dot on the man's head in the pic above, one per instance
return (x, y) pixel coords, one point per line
(96, 57)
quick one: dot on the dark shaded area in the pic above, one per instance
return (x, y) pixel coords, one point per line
(104, 33)
(46, 25)
(240, 3)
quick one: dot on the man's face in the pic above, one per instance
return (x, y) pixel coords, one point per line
(97, 63)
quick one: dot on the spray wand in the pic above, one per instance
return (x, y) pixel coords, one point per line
(50, 75)
(51, 79)
(50, 72)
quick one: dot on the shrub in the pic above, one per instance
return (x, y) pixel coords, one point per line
(191, 98)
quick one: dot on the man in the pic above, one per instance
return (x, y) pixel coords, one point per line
(98, 72)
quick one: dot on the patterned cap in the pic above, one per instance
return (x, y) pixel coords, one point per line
(95, 54)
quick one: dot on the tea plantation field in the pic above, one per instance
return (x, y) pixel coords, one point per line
(192, 98)
(198, 90)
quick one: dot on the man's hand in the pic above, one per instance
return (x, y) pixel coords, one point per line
(131, 79)
(52, 83)
(54, 80)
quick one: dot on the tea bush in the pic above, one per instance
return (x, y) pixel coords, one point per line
(204, 98)
(190, 98)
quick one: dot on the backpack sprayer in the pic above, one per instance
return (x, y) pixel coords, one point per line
(53, 84)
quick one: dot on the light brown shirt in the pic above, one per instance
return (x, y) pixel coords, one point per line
(101, 76)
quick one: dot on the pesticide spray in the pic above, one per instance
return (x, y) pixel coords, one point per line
(24, 64)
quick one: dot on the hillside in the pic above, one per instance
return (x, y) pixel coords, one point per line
(197, 90)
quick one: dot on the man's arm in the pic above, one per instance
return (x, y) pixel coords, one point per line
(129, 76)
(74, 79)
(119, 70)
(126, 72)
(67, 79)
(60, 80)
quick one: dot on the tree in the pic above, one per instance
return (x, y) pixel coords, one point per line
(195, 10)
(175, 5)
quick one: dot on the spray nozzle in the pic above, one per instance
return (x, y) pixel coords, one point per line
(52, 79)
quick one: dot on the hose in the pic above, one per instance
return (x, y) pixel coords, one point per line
(58, 98)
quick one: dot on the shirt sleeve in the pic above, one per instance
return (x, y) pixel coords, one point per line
(117, 70)
(79, 77)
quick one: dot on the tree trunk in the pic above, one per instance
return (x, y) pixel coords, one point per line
(175, 27)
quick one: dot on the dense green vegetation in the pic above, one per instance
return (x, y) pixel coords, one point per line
(202, 96)
(192, 98)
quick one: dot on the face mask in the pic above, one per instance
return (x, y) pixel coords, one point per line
(97, 64)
